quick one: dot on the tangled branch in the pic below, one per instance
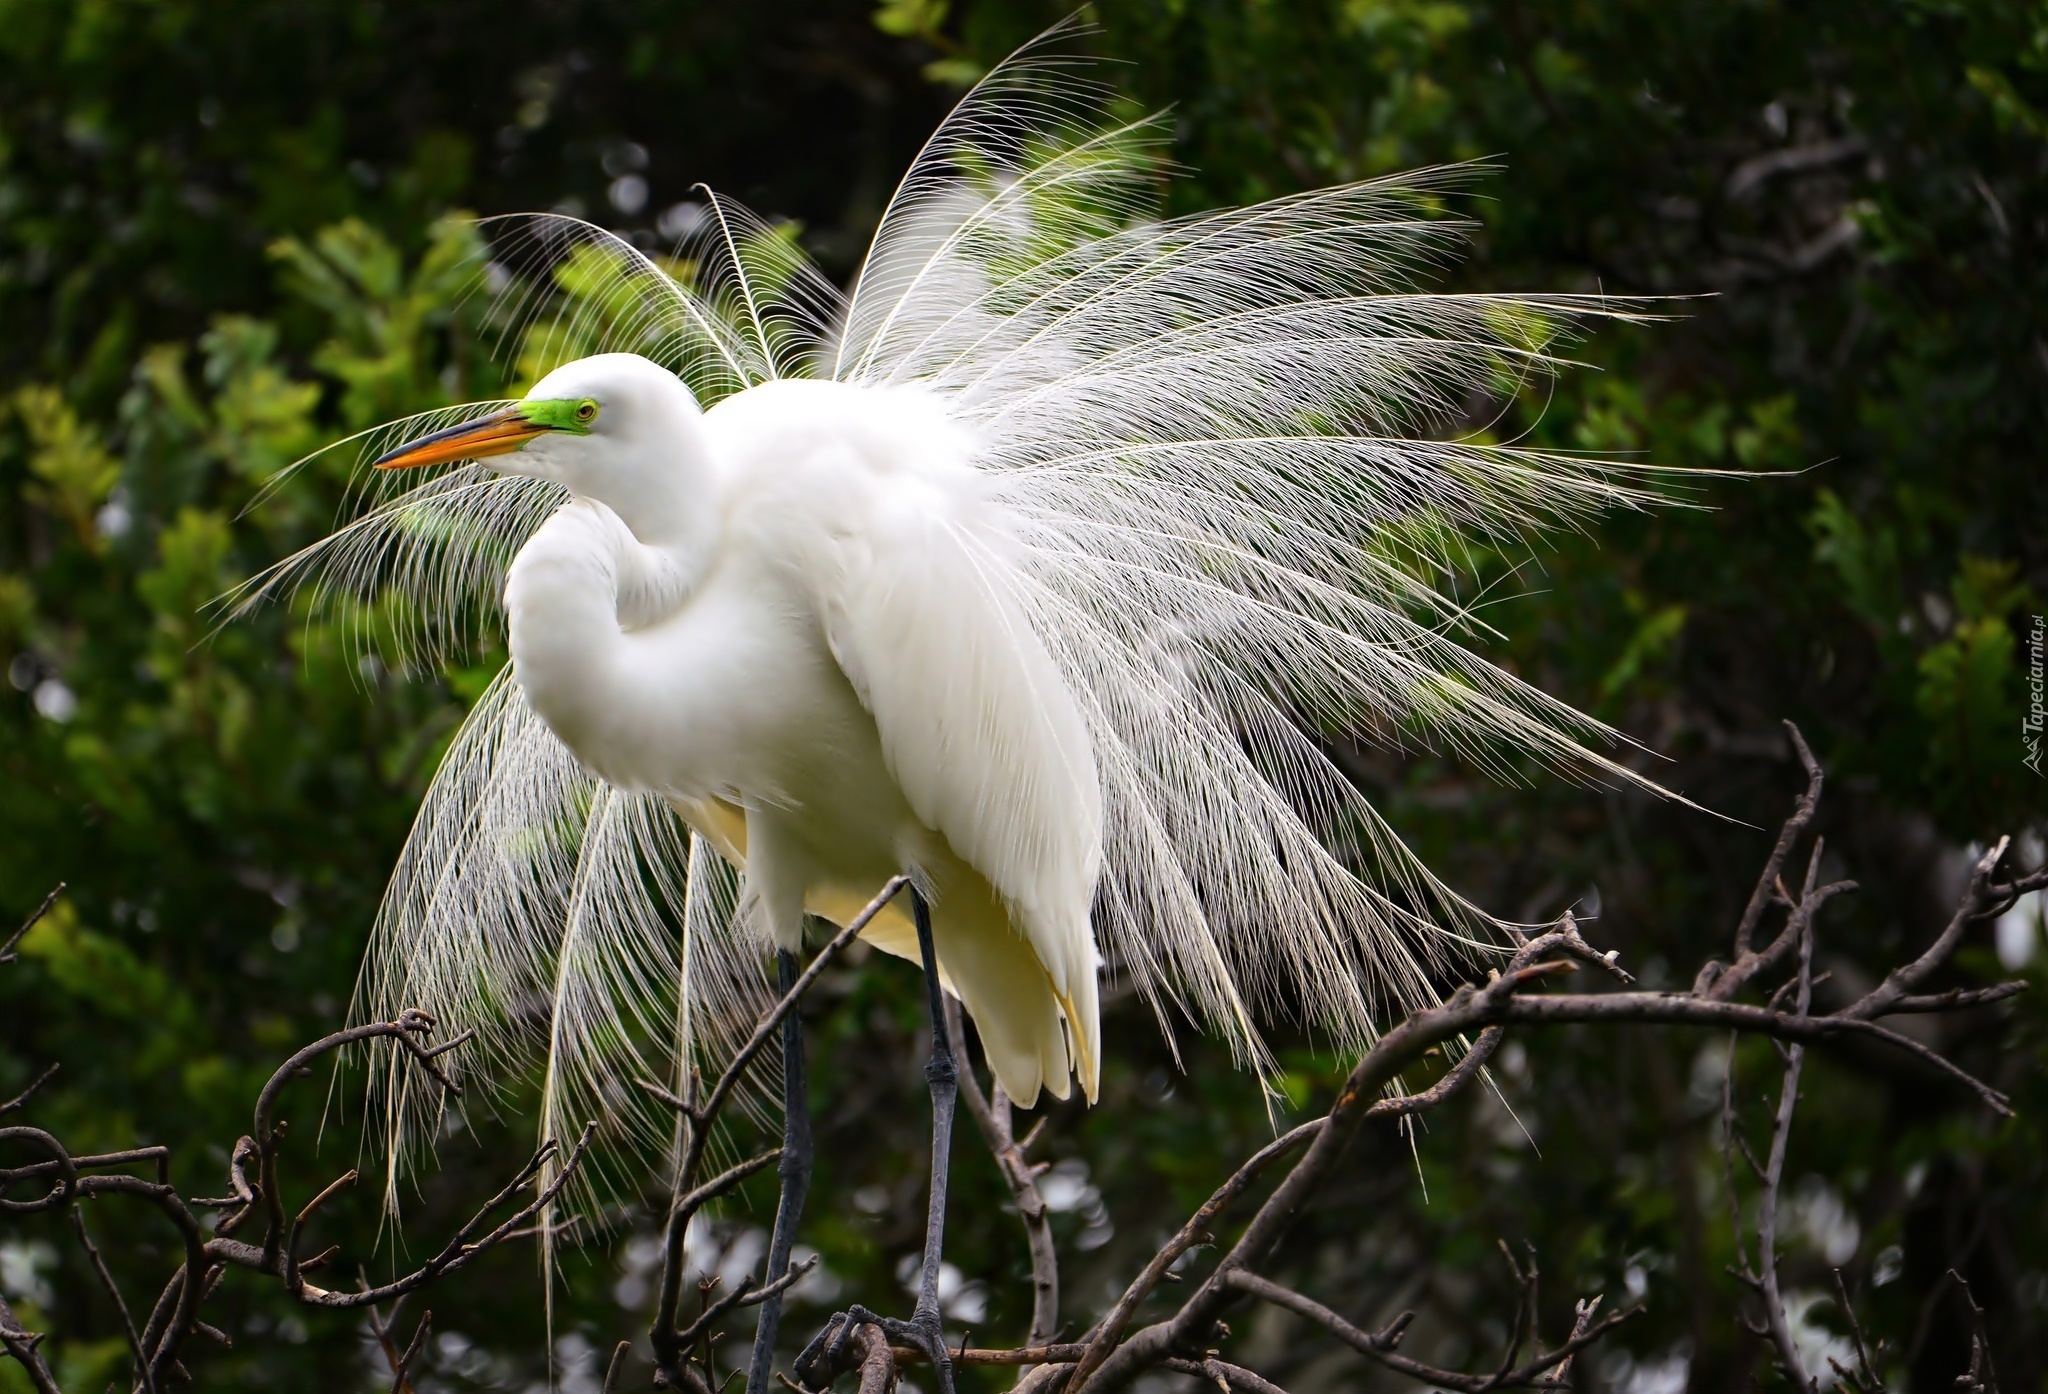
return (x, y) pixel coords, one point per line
(157, 1346)
(1766, 988)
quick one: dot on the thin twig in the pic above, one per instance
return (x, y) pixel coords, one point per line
(29, 1093)
(293, 1283)
(992, 1117)
(1776, 1320)
(1051, 1353)
(401, 1382)
(617, 1366)
(404, 1029)
(765, 1028)
(99, 1267)
(1467, 1068)
(38, 1170)
(1107, 1332)
(1982, 1376)
(7, 954)
(1380, 1345)
(1956, 999)
(1802, 814)
(458, 1253)
(1868, 1379)
(747, 1294)
(25, 1347)
(1982, 899)
(1226, 1376)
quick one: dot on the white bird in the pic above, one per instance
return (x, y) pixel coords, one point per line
(1040, 567)
(791, 619)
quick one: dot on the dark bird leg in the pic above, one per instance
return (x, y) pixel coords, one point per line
(944, 1077)
(795, 1172)
(828, 1352)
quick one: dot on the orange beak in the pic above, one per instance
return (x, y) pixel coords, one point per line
(497, 434)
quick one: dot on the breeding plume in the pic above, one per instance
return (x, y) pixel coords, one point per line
(1042, 565)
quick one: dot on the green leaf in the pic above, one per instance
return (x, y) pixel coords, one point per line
(74, 471)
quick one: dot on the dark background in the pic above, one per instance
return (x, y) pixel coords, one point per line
(222, 244)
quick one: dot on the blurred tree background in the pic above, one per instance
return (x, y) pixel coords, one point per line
(231, 232)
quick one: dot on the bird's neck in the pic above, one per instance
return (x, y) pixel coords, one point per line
(578, 585)
(672, 504)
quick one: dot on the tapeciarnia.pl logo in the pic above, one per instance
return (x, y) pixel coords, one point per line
(2031, 723)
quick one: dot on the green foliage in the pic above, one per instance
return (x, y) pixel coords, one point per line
(72, 470)
(389, 327)
(242, 789)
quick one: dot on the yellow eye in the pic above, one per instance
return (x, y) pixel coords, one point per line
(586, 411)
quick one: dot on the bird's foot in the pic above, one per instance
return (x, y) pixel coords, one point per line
(831, 1351)
(925, 1332)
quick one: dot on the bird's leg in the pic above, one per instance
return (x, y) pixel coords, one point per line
(795, 1172)
(944, 1077)
(821, 1359)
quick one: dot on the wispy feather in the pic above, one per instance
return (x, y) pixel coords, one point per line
(1234, 453)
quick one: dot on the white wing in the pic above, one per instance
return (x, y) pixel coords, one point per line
(978, 729)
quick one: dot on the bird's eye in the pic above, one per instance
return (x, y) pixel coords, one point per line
(586, 411)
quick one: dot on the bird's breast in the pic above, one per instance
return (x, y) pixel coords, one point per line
(734, 694)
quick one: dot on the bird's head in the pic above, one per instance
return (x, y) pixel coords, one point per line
(615, 428)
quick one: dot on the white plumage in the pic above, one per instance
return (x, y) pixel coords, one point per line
(1040, 566)
(793, 620)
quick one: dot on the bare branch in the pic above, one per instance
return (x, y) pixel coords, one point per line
(7, 954)
(1380, 1346)
(1501, 1001)
(1982, 899)
(1776, 1320)
(1455, 1078)
(459, 1252)
(1982, 1376)
(746, 1294)
(616, 1367)
(1103, 1339)
(293, 1283)
(1224, 1375)
(401, 1382)
(1866, 1377)
(1956, 999)
(381, 1329)
(765, 1028)
(39, 1170)
(404, 1029)
(1525, 1306)
(1059, 1353)
(874, 1358)
(726, 1180)
(176, 1315)
(23, 1346)
(673, 1100)
(1686, 1009)
(60, 1166)
(29, 1093)
(1802, 814)
(143, 1376)
(1583, 1312)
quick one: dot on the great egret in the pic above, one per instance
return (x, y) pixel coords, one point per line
(1037, 567)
